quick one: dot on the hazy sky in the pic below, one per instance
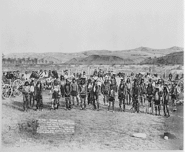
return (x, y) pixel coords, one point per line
(79, 25)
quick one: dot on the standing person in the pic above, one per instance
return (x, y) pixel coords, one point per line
(114, 83)
(62, 84)
(111, 97)
(166, 100)
(25, 92)
(38, 96)
(32, 94)
(161, 88)
(55, 95)
(83, 93)
(45, 74)
(84, 76)
(142, 91)
(74, 91)
(26, 76)
(105, 91)
(50, 74)
(174, 96)
(149, 92)
(66, 76)
(135, 96)
(67, 93)
(89, 92)
(96, 93)
(121, 95)
(157, 101)
(129, 90)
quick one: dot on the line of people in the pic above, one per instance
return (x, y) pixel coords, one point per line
(135, 91)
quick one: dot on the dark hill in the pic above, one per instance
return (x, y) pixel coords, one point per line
(172, 58)
(100, 59)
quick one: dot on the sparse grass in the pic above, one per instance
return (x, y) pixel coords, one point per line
(99, 130)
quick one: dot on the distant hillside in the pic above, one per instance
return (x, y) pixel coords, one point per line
(172, 58)
(137, 55)
(100, 59)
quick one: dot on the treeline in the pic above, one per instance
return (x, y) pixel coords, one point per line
(20, 61)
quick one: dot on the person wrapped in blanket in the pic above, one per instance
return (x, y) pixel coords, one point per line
(55, 95)
(105, 88)
(26, 92)
(129, 91)
(32, 94)
(89, 92)
(96, 94)
(74, 92)
(150, 92)
(67, 93)
(166, 100)
(83, 93)
(122, 95)
(135, 96)
(38, 96)
(157, 101)
(174, 93)
(111, 97)
(62, 84)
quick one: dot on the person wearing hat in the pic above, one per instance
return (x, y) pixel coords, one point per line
(121, 95)
(25, 92)
(83, 93)
(74, 91)
(67, 92)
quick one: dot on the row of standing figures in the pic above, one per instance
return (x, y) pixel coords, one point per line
(150, 101)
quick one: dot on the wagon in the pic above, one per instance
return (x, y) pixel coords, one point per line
(12, 88)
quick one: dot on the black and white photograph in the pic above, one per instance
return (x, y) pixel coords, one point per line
(92, 75)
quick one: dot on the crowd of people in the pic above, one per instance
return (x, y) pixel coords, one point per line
(149, 91)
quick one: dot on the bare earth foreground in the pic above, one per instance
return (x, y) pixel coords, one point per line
(94, 130)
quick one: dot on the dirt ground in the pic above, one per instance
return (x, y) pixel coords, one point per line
(94, 130)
